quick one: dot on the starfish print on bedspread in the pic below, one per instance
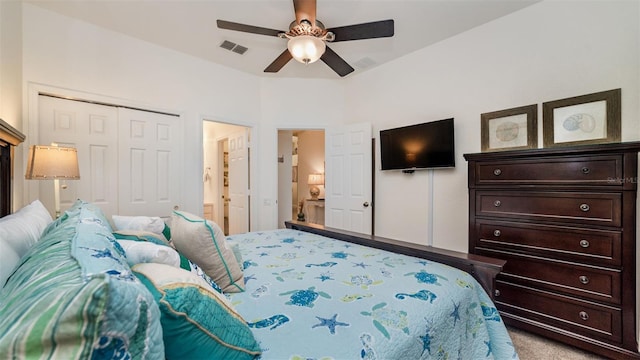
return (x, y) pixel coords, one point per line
(325, 276)
(361, 264)
(455, 313)
(331, 323)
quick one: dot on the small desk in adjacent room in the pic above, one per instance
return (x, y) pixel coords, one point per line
(314, 211)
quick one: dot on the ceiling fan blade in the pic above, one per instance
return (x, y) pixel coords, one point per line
(279, 62)
(371, 30)
(228, 25)
(305, 10)
(336, 63)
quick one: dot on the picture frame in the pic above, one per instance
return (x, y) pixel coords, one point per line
(509, 129)
(581, 120)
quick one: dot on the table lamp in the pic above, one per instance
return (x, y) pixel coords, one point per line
(315, 180)
(53, 163)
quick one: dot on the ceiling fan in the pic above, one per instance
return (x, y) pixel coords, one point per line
(308, 37)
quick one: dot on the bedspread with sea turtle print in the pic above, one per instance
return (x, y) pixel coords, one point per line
(313, 297)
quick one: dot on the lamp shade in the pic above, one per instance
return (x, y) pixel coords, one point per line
(306, 48)
(316, 179)
(52, 162)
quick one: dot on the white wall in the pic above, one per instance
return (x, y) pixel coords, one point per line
(74, 56)
(548, 51)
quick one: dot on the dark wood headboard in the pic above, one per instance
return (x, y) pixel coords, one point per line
(10, 137)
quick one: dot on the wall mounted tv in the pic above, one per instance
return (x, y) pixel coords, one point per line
(423, 146)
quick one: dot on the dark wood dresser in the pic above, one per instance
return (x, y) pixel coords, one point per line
(564, 219)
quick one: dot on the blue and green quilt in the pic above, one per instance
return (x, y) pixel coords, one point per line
(312, 297)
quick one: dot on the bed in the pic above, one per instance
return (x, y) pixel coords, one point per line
(332, 299)
(305, 292)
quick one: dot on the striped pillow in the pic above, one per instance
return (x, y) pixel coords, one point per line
(74, 297)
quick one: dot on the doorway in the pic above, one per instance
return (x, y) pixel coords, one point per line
(301, 152)
(226, 193)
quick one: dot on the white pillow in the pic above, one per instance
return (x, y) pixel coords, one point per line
(18, 232)
(153, 224)
(147, 252)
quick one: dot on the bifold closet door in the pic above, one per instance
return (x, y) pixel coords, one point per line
(148, 159)
(128, 158)
(93, 130)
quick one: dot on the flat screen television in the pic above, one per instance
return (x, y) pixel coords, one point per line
(423, 146)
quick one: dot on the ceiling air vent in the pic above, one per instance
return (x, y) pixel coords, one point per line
(231, 46)
(239, 49)
(227, 45)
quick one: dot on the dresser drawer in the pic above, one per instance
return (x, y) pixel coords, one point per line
(595, 247)
(595, 170)
(588, 208)
(586, 318)
(570, 278)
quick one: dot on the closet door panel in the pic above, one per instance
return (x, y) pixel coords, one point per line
(149, 169)
(93, 130)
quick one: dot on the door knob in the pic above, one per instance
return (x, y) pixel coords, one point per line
(365, 204)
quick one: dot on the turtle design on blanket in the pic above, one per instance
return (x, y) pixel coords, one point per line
(384, 317)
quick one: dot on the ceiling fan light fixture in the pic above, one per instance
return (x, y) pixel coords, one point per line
(306, 48)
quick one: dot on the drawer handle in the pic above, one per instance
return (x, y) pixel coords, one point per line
(584, 207)
(584, 243)
(496, 232)
(583, 315)
(497, 172)
(497, 203)
(586, 170)
(584, 280)
(496, 293)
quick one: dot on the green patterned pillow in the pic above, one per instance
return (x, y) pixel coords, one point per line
(74, 297)
(197, 321)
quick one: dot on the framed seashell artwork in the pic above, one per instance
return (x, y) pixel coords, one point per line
(509, 129)
(581, 120)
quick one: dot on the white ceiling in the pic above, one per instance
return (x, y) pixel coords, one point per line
(189, 26)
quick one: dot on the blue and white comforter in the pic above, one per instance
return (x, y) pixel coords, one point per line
(312, 297)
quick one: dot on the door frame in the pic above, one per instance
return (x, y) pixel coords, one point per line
(290, 127)
(252, 134)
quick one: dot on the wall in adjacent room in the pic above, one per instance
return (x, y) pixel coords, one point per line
(311, 160)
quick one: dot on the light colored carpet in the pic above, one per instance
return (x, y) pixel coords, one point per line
(533, 347)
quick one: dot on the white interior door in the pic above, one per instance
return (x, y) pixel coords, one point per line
(348, 178)
(93, 130)
(238, 182)
(149, 162)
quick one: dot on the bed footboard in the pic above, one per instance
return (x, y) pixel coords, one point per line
(482, 268)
